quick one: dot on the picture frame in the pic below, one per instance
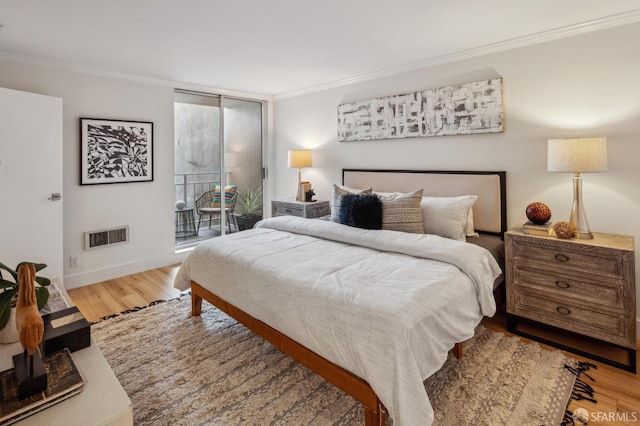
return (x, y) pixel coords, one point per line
(463, 109)
(115, 151)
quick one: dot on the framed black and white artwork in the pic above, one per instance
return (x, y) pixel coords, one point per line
(464, 109)
(115, 151)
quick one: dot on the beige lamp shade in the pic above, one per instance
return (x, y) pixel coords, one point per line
(579, 155)
(299, 158)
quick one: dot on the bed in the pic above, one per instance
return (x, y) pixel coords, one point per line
(373, 312)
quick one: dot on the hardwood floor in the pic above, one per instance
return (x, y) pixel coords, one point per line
(114, 296)
(617, 391)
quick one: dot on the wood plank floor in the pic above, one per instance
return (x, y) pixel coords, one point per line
(120, 294)
(617, 391)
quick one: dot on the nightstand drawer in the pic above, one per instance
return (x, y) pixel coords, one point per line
(598, 293)
(559, 258)
(603, 325)
(287, 209)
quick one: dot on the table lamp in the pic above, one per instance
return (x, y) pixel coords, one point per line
(299, 159)
(578, 155)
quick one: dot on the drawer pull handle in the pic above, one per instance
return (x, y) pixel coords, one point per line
(288, 211)
(562, 257)
(562, 284)
(562, 310)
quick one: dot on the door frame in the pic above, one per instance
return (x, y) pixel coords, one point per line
(222, 145)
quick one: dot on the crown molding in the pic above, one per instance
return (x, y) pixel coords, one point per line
(536, 38)
(47, 63)
(541, 37)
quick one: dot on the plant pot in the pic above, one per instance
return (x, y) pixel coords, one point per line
(247, 221)
(9, 334)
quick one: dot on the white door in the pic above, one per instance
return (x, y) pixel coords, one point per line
(30, 172)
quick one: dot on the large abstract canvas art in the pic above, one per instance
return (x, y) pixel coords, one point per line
(454, 110)
(114, 151)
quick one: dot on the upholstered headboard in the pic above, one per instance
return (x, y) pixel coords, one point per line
(489, 210)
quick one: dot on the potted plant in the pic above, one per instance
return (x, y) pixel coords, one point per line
(10, 291)
(248, 208)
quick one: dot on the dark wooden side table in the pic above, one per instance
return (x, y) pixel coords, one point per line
(185, 223)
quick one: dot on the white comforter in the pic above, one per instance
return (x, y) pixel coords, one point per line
(385, 305)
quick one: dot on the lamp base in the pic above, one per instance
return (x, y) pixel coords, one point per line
(583, 235)
(578, 218)
(299, 194)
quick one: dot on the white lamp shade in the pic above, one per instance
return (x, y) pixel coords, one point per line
(579, 155)
(300, 158)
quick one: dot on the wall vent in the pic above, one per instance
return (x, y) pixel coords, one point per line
(106, 237)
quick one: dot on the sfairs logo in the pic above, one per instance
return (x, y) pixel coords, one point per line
(582, 416)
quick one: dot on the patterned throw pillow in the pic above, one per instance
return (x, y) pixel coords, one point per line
(361, 211)
(401, 212)
(229, 192)
(336, 198)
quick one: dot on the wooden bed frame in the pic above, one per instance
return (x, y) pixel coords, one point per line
(374, 410)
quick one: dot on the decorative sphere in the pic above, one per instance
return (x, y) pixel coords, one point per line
(180, 205)
(538, 213)
(563, 229)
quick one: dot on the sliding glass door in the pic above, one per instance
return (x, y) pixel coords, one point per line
(218, 165)
(243, 158)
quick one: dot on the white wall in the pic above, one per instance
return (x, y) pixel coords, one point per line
(585, 85)
(147, 207)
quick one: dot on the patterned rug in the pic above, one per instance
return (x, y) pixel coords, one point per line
(179, 370)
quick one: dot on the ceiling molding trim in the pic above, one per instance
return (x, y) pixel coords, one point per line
(528, 40)
(47, 63)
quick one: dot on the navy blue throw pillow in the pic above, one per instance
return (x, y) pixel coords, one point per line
(361, 211)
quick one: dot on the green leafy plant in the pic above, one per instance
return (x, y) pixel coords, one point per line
(250, 202)
(10, 290)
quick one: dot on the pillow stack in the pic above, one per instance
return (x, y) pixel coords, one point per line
(449, 217)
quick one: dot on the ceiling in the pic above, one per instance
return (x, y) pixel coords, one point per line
(280, 47)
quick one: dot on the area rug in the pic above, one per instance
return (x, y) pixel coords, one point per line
(179, 370)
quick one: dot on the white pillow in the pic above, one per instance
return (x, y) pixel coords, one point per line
(447, 216)
(336, 198)
(469, 227)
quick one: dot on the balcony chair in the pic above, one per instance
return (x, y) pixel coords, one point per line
(209, 204)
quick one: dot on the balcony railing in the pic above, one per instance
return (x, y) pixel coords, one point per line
(190, 185)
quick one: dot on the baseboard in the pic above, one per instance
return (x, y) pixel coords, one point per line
(116, 271)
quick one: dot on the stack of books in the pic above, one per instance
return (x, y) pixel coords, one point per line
(63, 380)
(535, 229)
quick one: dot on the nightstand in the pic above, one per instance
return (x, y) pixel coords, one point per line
(584, 287)
(306, 209)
